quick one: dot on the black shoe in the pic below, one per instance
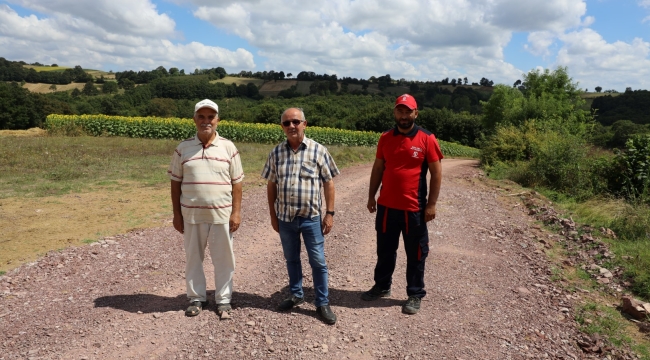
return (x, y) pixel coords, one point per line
(374, 294)
(290, 302)
(412, 305)
(195, 308)
(326, 314)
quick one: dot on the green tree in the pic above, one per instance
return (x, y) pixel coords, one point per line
(109, 87)
(163, 107)
(550, 97)
(90, 89)
(598, 89)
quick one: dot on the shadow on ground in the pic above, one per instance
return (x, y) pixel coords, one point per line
(150, 303)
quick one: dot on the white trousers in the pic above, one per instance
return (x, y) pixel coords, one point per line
(219, 239)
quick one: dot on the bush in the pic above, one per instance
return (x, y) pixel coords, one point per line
(534, 156)
(634, 169)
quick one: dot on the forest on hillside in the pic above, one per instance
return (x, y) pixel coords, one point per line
(453, 109)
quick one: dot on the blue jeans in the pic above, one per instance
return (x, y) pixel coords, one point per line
(312, 234)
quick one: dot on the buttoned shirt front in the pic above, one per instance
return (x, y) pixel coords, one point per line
(299, 176)
(206, 175)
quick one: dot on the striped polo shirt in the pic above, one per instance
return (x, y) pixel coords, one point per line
(207, 175)
(299, 176)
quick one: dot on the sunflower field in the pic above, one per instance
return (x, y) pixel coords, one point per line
(179, 129)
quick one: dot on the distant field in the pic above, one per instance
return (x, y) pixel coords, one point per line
(593, 95)
(45, 88)
(46, 68)
(239, 81)
(273, 88)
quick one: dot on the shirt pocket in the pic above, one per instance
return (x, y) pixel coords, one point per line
(308, 170)
(219, 167)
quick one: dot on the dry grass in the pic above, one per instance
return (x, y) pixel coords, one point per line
(45, 88)
(33, 132)
(239, 81)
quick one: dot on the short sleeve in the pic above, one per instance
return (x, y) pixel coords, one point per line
(327, 166)
(434, 153)
(380, 149)
(236, 169)
(269, 172)
(175, 170)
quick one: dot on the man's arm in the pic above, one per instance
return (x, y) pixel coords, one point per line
(375, 180)
(176, 206)
(272, 195)
(235, 216)
(435, 168)
(328, 220)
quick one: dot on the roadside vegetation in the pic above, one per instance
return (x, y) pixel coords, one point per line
(540, 137)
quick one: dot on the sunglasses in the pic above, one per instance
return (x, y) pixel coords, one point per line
(294, 122)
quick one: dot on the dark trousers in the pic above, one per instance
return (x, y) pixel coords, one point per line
(389, 224)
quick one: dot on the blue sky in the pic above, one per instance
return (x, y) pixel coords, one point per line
(602, 42)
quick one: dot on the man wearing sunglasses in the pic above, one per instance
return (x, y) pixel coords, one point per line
(206, 188)
(297, 170)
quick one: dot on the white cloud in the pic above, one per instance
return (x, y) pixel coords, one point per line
(539, 42)
(125, 40)
(596, 62)
(133, 17)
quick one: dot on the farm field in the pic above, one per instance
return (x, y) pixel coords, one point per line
(239, 81)
(272, 88)
(65, 191)
(45, 88)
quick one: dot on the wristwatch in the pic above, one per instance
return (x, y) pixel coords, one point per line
(329, 213)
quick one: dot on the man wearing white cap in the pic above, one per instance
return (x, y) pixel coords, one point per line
(206, 189)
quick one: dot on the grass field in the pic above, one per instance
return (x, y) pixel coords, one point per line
(46, 68)
(239, 81)
(66, 191)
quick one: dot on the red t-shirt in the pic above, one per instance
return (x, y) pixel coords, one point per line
(406, 162)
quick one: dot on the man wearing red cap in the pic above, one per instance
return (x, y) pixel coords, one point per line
(404, 154)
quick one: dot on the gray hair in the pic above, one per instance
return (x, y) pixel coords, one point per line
(302, 113)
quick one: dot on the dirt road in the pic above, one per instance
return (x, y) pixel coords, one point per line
(489, 295)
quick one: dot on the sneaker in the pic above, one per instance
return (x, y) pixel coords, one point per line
(326, 314)
(290, 302)
(374, 294)
(412, 305)
(195, 308)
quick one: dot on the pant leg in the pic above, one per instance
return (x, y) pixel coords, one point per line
(416, 246)
(290, 238)
(388, 231)
(312, 234)
(195, 236)
(223, 261)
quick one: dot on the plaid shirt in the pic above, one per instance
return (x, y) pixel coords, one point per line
(299, 177)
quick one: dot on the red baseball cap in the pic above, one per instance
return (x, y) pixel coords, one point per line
(407, 100)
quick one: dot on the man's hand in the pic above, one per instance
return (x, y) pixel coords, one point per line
(235, 220)
(372, 205)
(430, 212)
(274, 224)
(328, 222)
(178, 223)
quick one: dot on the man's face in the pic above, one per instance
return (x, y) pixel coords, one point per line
(293, 125)
(404, 117)
(206, 121)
